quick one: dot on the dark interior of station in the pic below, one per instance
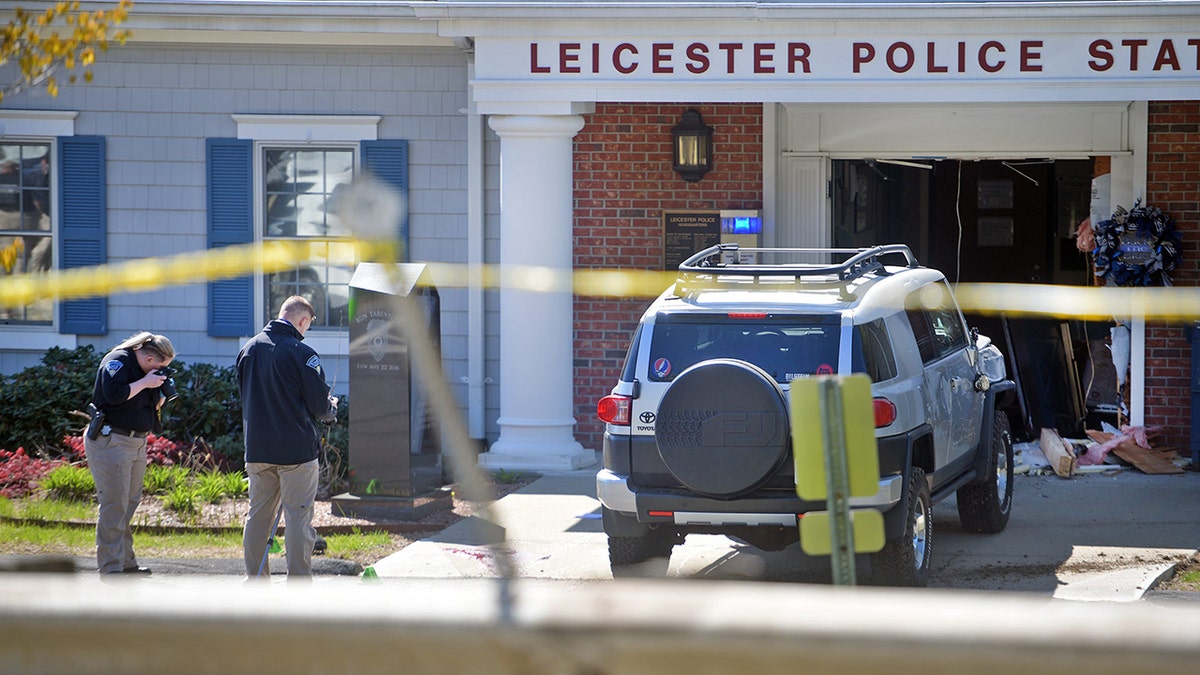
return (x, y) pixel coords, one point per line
(1011, 221)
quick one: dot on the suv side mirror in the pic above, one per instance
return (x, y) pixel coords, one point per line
(973, 348)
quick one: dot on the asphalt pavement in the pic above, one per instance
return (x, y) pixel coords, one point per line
(1089, 537)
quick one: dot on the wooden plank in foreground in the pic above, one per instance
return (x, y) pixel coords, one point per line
(1058, 452)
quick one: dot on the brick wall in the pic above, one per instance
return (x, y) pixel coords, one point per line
(623, 183)
(1173, 185)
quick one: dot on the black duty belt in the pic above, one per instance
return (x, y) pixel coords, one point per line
(118, 431)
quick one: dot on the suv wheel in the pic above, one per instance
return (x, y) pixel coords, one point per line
(723, 428)
(904, 561)
(984, 507)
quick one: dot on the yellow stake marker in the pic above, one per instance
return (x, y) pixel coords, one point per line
(833, 446)
(858, 431)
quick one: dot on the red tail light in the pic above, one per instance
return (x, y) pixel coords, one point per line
(885, 412)
(615, 409)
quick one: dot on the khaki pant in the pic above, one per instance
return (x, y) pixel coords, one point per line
(118, 464)
(295, 485)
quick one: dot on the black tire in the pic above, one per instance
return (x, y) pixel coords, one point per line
(984, 508)
(723, 428)
(633, 550)
(904, 561)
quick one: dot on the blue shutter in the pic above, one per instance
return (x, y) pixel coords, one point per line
(230, 221)
(388, 160)
(82, 227)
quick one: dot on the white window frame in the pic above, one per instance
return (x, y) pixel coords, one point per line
(39, 126)
(326, 131)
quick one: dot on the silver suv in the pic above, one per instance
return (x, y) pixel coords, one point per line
(698, 438)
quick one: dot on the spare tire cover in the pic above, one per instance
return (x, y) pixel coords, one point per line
(722, 428)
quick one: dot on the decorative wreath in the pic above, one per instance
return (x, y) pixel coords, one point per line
(1136, 248)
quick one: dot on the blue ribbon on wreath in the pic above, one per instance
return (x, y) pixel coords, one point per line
(1136, 248)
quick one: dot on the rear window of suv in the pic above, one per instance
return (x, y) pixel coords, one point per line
(786, 347)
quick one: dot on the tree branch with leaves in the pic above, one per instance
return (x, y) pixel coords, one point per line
(63, 36)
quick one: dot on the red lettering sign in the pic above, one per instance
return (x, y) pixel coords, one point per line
(697, 54)
(987, 56)
(568, 57)
(798, 53)
(533, 60)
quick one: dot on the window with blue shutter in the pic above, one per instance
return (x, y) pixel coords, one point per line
(295, 185)
(82, 226)
(230, 221)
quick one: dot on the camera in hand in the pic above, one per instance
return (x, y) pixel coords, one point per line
(168, 386)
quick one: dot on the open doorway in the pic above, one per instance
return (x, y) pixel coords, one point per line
(1010, 221)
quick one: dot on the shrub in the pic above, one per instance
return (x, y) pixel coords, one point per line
(20, 473)
(68, 482)
(208, 412)
(36, 404)
(335, 455)
(41, 409)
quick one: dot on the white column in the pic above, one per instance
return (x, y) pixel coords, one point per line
(537, 422)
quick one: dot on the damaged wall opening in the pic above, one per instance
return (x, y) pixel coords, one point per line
(1011, 221)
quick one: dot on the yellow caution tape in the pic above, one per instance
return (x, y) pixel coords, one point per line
(274, 256)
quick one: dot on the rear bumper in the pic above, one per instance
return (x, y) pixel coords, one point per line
(615, 494)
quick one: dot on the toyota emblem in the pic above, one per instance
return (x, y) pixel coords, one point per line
(646, 417)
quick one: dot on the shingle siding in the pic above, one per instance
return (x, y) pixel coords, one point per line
(156, 106)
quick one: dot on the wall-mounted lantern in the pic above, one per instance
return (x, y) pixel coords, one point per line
(692, 145)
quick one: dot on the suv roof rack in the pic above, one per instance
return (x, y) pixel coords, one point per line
(702, 269)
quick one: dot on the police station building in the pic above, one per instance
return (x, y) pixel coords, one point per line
(541, 133)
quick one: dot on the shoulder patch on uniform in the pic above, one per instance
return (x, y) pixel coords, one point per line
(314, 362)
(112, 367)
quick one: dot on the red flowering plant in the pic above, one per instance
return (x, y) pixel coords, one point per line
(20, 473)
(161, 450)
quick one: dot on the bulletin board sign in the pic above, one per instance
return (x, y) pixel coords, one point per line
(688, 232)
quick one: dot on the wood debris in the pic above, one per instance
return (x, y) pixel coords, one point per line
(1058, 452)
(1146, 460)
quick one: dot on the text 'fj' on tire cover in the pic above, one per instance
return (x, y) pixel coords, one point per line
(722, 428)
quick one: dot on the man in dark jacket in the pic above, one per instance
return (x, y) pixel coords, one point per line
(284, 396)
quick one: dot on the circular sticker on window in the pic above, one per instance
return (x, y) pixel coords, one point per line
(662, 368)
(824, 369)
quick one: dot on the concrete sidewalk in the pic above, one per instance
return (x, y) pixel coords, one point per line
(1091, 537)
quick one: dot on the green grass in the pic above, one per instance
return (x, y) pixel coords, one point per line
(25, 539)
(49, 537)
(358, 544)
(504, 476)
(35, 539)
(50, 510)
(28, 539)
(1190, 577)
